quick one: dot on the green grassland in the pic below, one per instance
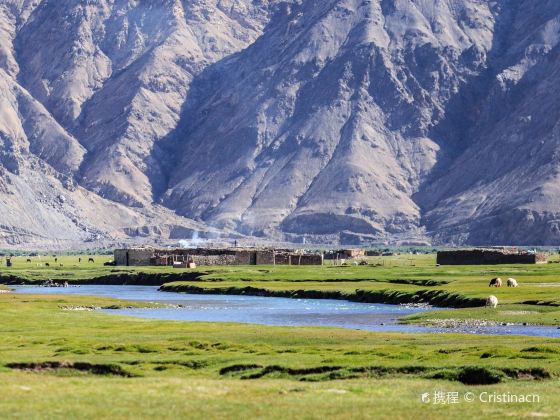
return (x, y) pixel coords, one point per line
(60, 363)
(67, 267)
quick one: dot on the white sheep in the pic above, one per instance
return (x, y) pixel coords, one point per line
(492, 301)
(511, 282)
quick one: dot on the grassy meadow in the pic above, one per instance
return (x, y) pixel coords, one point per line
(60, 362)
(64, 363)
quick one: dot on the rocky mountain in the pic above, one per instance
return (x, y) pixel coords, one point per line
(333, 120)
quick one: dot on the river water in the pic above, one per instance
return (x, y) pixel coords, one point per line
(275, 311)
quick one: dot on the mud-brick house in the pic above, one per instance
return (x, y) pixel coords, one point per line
(133, 256)
(210, 256)
(353, 253)
(483, 256)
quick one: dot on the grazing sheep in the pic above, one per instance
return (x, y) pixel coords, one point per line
(511, 282)
(496, 282)
(492, 301)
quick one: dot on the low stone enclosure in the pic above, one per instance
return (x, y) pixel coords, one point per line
(338, 254)
(208, 256)
(482, 256)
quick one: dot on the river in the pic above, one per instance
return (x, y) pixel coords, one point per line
(276, 311)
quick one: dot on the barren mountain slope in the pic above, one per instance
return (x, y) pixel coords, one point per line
(118, 72)
(323, 124)
(41, 202)
(360, 120)
(504, 188)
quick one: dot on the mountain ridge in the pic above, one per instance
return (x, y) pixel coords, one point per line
(351, 121)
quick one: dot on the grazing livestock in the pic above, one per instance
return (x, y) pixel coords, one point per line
(91, 260)
(79, 260)
(47, 265)
(492, 301)
(511, 282)
(496, 282)
(56, 260)
(29, 260)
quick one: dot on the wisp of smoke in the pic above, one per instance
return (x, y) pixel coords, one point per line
(193, 242)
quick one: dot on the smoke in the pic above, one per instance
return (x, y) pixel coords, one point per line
(194, 242)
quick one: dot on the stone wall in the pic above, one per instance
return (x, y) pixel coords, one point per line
(203, 256)
(541, 258)
(353, 253)
(284, 258)
(213, 259)
(133, 256)
(488, 256)
(119, 256)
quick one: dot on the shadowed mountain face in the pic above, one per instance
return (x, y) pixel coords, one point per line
(336, 119)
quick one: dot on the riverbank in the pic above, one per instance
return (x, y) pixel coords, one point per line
(55, 360)
(431, 297)
(117, 278)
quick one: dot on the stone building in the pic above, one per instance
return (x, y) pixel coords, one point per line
(482, 256)
(208, 256)
(133, 256)
(343, 254)
(353, 253)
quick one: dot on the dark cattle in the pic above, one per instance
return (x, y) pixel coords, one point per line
(56, 260)
(29, 260)
(79, 260)
(90, 260)
(496, 282)
(47, 265)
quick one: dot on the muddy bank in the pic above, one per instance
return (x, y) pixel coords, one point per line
(432, 297)
(91, 368)
(468, 375)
